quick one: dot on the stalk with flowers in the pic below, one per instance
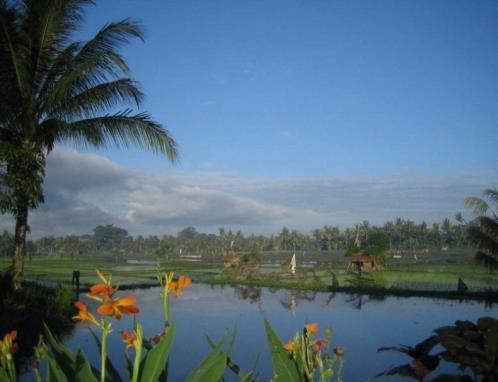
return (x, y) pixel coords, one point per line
(8, 348)
(305, 356)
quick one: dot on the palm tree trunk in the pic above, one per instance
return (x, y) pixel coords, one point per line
(20, 244)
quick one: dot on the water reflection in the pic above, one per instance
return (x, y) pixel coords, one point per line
(290, 299)
(361, 324)
(244, 292)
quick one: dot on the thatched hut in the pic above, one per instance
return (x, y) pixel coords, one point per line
(230, 259)
(362, 262)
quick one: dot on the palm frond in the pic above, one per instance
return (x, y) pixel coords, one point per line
(96, 61)
(492, 194)
(122, 129)
(484, 241)
(478, 205)
(98, 99)
(47, 25)
(12, 73)
(488, 225)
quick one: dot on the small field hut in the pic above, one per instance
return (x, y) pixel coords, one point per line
(230, 259)
(362, 262)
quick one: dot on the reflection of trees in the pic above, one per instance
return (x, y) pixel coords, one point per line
(290, 300)
(251, 293)
(330, 298)
(357, 300)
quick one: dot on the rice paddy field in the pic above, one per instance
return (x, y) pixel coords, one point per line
(133, 273)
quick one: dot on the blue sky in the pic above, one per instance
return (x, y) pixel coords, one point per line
(297, 113)
(295, 88)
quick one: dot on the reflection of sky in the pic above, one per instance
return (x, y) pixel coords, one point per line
(215, 311)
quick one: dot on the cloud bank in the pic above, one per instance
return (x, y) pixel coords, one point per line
(85, 190)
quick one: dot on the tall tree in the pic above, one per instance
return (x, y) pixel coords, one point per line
(54, 90)
(483, 230)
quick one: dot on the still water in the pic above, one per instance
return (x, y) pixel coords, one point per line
(361, 324)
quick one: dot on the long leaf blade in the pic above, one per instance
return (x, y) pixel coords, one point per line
(284, 368)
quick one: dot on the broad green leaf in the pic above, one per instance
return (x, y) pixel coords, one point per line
(66, 365)
(211, 369)
(82, 369)
(284, 368)
(54, 372)
(156, 359)
(243, 375)
(63, 359)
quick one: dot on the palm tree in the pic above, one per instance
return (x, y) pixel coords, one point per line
(54, 89)
(483, 230)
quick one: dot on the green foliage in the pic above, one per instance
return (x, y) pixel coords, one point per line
(483, 230)
(53, 306)
(212, 368)
(22, 170)
(188, 233)
(377, 244)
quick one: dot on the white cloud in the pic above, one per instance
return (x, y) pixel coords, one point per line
(84, 190)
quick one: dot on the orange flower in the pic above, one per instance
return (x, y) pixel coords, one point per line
(102, 289)
(183, 282)
(158, 337)
(129, 339)
(7, 345)
(83, 314)
(312, 328)
(289, 346)
(320, 343)
(118, 307)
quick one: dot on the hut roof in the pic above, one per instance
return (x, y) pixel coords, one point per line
(361, 257)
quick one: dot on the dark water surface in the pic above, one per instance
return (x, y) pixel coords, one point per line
(361, 324)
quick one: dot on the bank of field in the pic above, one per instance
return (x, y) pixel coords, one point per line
(409, 277)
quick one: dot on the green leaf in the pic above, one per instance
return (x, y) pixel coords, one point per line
(129, 367)
(63, 359)
(3, 375)
(156, 359)
(284, 368)
(211, 369)
(112, 373)
(66, 365)
(54, 372)
(82, 369)
(233, 366)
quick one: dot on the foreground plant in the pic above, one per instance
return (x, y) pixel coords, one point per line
(473, 346)
(147, 357)
(8, 348)
(305, 356)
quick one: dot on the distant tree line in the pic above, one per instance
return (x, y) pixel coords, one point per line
(110, 240)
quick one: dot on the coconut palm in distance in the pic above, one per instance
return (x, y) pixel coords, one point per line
(483, 230)
(56, 90)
